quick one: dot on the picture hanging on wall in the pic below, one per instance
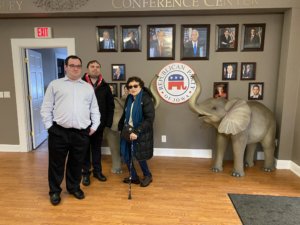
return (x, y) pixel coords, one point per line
(220, 90)
(114, 89)
(123, 90)
(229, 71)
(107, 39)
(131, 38)
(160, 42)
(254, 37)
(256, 91)
(227, 37)
(195, 42)
(118, 72)
(248, 70)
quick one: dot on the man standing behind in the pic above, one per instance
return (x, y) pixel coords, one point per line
(70, 113)
(106, 104)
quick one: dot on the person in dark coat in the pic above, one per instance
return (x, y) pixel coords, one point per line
(139, 113)
(106, 104)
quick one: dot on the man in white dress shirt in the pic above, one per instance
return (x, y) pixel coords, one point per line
(70, 113)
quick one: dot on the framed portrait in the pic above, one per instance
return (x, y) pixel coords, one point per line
(114, 89)
(131, 38)
(227, 37)
(248, 70)
(195, 42)
(229, 71)
(123, 90)
(118, 72)
(220, 90)
(160, 42)
(253, 37)
(256, 91)
(107, 39)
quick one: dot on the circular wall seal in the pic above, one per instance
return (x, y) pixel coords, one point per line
(175, 83)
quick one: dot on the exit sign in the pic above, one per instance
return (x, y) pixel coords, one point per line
(42, 32)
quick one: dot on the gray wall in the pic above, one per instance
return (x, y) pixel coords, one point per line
(181, 126)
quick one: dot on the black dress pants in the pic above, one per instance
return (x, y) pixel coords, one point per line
(95, 151)
(70, 144)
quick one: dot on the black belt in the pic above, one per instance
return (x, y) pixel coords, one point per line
(71, 129)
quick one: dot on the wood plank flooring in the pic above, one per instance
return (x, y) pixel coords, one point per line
(184, 191)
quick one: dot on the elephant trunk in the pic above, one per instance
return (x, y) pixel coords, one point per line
(193, 100)
(154, 92)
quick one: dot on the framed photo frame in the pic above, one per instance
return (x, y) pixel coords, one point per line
(107, 39)
(131, 38)
(227, 37)
(248, 70)
(123, 90)
(114, 89)
(256, 91)
(118, 72)
(253, 37)
(220, 90)
(229, 71)
(195, 42)
(161, 42)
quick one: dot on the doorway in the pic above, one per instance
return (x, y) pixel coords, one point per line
(41, 69)
(22, 87)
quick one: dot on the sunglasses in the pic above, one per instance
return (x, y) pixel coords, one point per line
(133, 86)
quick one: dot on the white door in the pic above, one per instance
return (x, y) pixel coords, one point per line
(36, 92)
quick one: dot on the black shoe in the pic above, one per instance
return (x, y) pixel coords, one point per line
(86, 180)
(133, 181)
(146, 181)
(100, 177)
(78, 194)
(55, 198)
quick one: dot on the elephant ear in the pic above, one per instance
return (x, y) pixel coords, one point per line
(237, 117)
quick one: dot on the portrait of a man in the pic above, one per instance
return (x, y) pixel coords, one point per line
(227, 37)
(118, 72)
(256, 91)
(161, 40)
(106, 36)
(254, 35)
(229, 71)
(131, 38)
(194, 42)
(248, 71)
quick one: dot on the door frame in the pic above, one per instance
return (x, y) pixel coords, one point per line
(21, 84)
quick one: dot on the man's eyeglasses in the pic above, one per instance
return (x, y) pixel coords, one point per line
(75, 66)
(133, 86)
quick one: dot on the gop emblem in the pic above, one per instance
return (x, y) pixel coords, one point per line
(175, 83)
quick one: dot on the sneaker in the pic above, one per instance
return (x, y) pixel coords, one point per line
(146, 181)
(133, 181)
(86, 180)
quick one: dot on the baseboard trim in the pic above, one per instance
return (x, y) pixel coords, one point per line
(288, 165)
(175, 152)
(12, 148)
(178, 152)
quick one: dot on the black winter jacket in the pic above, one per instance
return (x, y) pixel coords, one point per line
(106, 103)
(144, 132)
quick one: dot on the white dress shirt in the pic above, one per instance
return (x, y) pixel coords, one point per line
(71, 104)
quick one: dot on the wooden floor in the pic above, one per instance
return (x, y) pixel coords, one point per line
(184, 191)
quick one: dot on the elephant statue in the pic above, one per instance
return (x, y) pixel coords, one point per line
(245, 123)
(112, 135)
